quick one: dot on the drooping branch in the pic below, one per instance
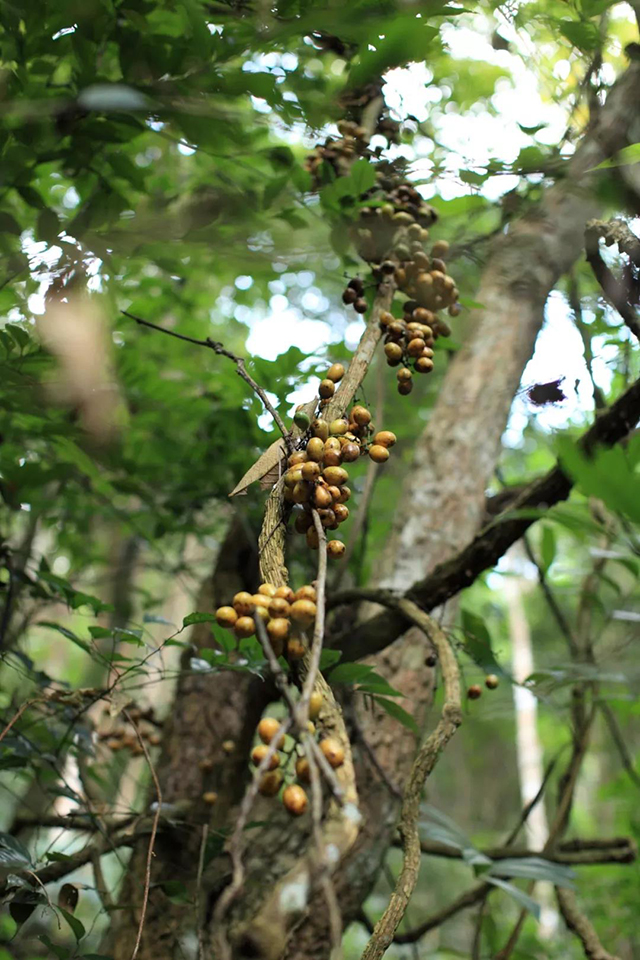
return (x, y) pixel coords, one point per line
(618, 293)
(489, 545)
(424, 763)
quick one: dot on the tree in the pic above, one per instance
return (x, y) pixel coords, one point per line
(172, 173)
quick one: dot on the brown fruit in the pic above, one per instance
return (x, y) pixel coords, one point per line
(393, 353)
(295, 649)
(378, 453)
(302, 770)
(322, 499)
(302, 523)
(474, 691)
(333, 751)
(316, 702)
(422, 315)
(491, 681)
(259, 753)
(260, 605)
(244, 627)
(350, 452)
(386, 318)
(440, 248)
(293, 475)
(327, 518)
(268, 728)
(310, 470)
(155, 739)
(209, 797)
(345, 494)
(267, 589)
(455, 310)
(357, 284)
(313, 541)
(385, 438)
(404, 374)
(341, 512)
(360, 305)
(335, 549)
(306, 592)
(338, 428)
(332, 445)
(335, 476)
(243, 604)
(320, 429)
(279, 607)
(335, 372)
(424, 364)
(427, 352)
(361, 416)
(295, 800)
(349, 295)
(285, 592)
(228, 746)
(415, 347)
(300, 456)
(278, 629)
(396, 329)
(336, 492)
(270, 783)
(405, 387)
(301, 492)
(113, 743)
(226, 617)
(332, 458)
(326, 389)
(206, 765)
(303, 612)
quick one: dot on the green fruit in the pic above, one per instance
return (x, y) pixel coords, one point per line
(302, 420)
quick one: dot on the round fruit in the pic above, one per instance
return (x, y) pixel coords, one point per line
(404, 374)
(378, 453)
(393, 352)
(226, 617)
(335, 372)
(424, 365)
(326, 389)
(286, 593)
(311, 470)
(301, 419)
(335, 492)
(320, 429)
(259, 753)
(335, 476)
(332, 458)
(206, 765)
(315, 449)
(279, 607)
(349, 295)
(345, 494)
(440, 248)
(455, 310)
(244, 627)
(270, 783)
(295, 800)
(303, 612)
(302, 523)
(302, 770)
(385, 438)
(300, 456)
(293, 475)
(415, 347)
(361, 416)
(228, 746)
(278, 628)
(295, 649)
(261, 603)
(327, 518)
(405, 387)
(333, 751)
(306, 592)
(315, 704)
(386, 318)
(332, 445)
(338, 428)
(491, 681)
(313, 541)
(474, 691)
(336, 548)
(360, 306)
(268, 728)
(210, 797)
(243, 603)
(341, 512)
(350, 452)
(322, 498)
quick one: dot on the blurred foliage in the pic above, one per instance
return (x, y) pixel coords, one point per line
(152, 156)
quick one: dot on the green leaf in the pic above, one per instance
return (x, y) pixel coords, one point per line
(69, 634)
(534, 868)
(627, 155)
(547, 547)
(48, 225)
(9, 224)
(13, 855)
(520, 897)
(350, 673)
(198, 618)
(396, 41)
(398, 713)
(607, 474)
(76, 926)
(362, 177)
(62, 953)
(328, 658)
(176, 891)
(581, 33)
(438, 826)
(477, 641)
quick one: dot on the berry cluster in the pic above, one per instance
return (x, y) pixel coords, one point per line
(409, 341)
(339, 153)
(287, 767)
(284, 612)
(491, 681)
(316, 476)
(120, 734)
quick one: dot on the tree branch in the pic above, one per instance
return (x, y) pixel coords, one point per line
(579, 924)
(613, 232)
(579, 852)
(488, 546)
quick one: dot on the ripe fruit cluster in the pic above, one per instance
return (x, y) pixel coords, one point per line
(119, 734)
(491, 681)
(284, 612)
(285, 768)
(316, 477)
(339, 153)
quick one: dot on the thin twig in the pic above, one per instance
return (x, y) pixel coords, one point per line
(615, 231)
(241, 370)
(579, 924)
(17, 715)
(618, 739)
(203, 847)
(152, 838)
(101, 887)
(315, 653)
(424, 763)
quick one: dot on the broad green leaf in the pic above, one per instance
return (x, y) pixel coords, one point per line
(477, 640)
(547, 547)
(534, 868)
(198, 618)
(608, 474)
(76, 926)
(13, 855)
(627, 155)
(69, 634)
(398, 713)
(521, 898)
